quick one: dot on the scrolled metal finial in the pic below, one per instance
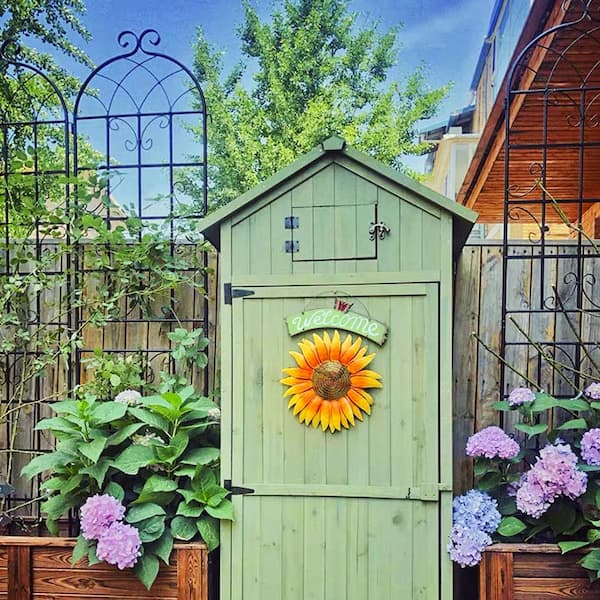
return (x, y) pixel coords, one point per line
(151, 36)
(126, 38)
(124, 42)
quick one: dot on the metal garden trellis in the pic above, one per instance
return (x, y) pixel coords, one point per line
(136, 111)
(549, 181)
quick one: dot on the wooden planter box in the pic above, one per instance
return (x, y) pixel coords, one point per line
(41, 568)
(533, 572)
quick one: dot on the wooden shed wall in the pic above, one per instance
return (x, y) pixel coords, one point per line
(336, 202)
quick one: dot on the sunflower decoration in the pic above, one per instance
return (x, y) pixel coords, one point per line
(327, 387)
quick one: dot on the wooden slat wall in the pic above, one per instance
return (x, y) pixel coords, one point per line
(477, 308)
(189, 305)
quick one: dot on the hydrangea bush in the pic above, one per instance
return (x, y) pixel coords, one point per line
(546, 491)
(142, 470)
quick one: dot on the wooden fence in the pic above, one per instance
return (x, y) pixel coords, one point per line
(126, 336)
(477, 309)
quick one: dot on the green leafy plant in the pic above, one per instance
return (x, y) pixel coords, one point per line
(157, 454)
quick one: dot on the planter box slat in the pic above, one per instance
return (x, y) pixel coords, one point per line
(60, 558)
(40, 569)
(533, 572)
(65, 581)
(554, 588)
(546, 565)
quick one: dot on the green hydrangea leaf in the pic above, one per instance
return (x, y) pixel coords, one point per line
(511, 526)
(146, 569)
(183, 528)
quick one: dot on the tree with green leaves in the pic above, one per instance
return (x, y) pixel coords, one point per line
(314, 72)
(48, 22)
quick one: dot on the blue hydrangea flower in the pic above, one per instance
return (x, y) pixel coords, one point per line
(466, 545)
(476, 510)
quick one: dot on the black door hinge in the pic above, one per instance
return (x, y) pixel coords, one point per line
(291, 222)
(292, 246)
(235, 490)
(229, 293)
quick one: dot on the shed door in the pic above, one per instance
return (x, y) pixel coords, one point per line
(347, 516)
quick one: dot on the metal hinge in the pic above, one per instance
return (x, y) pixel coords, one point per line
(291, 222)
(292, 246)
(229, 293)
(235, 490)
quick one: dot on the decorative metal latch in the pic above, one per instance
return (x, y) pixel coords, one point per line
(378, 229)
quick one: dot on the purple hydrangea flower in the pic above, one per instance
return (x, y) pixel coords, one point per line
(554, 473)
(590, 446)
(98, 513)
(476, 510)
(519, 396)
(119, 545)
(466, 545)
(492, 442)
(593, 391)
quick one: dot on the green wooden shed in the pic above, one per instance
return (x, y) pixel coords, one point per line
(337, 244)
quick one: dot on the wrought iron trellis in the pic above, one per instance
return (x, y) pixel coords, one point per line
(550, 332)
(139, 119)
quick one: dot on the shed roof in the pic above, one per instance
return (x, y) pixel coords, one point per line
(463, 218)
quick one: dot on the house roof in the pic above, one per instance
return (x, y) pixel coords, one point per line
(554, 61)
(463, 217)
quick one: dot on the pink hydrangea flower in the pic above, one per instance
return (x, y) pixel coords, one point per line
(554, 473)
(98, 513)
(119, 545)
(520, 396)
(492, 442)
(590, 446)
(593, 391)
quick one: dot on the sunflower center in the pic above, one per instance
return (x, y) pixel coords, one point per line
(331, 380)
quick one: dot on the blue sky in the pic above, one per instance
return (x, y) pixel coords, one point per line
(445, 34)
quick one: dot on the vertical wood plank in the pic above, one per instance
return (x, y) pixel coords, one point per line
(190, 564)
(490, 292)
(19, 573)
(496, 576)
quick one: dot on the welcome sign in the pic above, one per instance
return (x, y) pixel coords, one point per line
(323, 318)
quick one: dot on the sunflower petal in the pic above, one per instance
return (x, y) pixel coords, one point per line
(298, 373)
(291, 380)
(297, 397)
(311, 410)
(346, 406)
(310, 353)
(345, 346)
(325, 412)
(299, 387)
(346, 357)
(365, 395)
(367, 373)
(334, 418)
(365, 382)
(316, 419)
(327, 342)
(322, 351)
(300, 360)
(359, 401)
(304, 400)
(360, 363)
(334, 352)
(343, 419)
(356, 411)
